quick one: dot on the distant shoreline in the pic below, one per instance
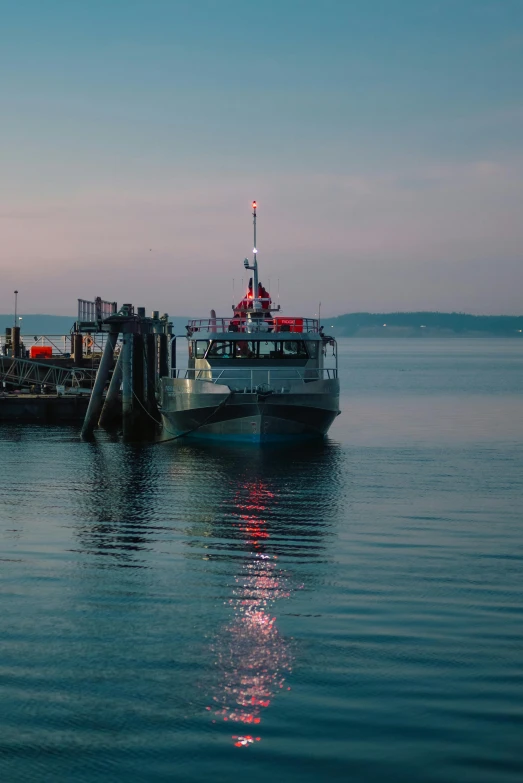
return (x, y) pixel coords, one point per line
(418, 325)
(429, 334)
(424, 325)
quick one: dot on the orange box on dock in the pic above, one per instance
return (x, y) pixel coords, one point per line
(288, 324)
(40, 352)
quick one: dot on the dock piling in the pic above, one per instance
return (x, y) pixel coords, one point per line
(95, 403)
(77, 341)
(127, 383)
(15, 341)
(111, 403)
(163, 360)
(143, 358)
(152, 372)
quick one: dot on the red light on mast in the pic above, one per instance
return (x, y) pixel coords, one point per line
(254, 205)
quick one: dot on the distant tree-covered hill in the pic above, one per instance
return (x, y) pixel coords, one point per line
(419, 324)
(39, 324)
(423, 324)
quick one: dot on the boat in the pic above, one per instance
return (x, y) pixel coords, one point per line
(257, 376)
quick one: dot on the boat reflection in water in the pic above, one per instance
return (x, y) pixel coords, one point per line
(277, 517)
(251, 654)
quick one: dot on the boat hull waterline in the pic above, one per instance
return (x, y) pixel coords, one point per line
(222, 414)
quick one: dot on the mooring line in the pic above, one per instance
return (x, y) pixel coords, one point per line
(183, 434)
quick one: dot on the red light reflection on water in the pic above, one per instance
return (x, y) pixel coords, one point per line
(251, 655)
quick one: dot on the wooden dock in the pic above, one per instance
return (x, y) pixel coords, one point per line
(43, 408)
(108, 377)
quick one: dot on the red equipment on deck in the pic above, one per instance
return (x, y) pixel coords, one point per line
(288, 324)
(40, 352)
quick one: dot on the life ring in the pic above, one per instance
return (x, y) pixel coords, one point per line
(88, 341)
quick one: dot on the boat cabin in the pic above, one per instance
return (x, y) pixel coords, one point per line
(258, 348)
(271, 357)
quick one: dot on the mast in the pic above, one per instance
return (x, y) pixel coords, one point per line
(256, 303)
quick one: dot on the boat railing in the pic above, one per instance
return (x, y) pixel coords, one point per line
(267, 323)
(253, 379)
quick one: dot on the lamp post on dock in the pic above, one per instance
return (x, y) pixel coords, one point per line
(15, 332)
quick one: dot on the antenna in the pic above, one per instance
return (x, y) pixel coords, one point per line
(254, 250)
(256, 304)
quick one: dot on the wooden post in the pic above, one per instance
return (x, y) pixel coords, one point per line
(138, 372)
(163, 362)
(110, 408)
(78, 348)
(95, 403)
(150, 342)
(173, 355)
(127, 382)
(15, 341)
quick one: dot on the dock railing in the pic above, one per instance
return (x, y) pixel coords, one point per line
(96, 311)
(61, 344)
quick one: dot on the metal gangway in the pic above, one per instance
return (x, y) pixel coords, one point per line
(24, 373)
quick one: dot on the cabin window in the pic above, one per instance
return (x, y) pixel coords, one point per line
(220, 349)
(295, 348)
(254, 349)
(198, 348)
(270, 349)
(312, 349)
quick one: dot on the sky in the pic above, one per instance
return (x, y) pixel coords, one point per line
(382, 140)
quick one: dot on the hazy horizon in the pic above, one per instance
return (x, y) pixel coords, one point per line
(21, 315)
(383, 143)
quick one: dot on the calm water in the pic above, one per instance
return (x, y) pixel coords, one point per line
(355, 608)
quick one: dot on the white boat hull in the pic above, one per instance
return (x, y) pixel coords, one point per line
(201, 409)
